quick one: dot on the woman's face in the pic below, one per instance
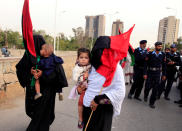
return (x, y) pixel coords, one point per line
(83, 59)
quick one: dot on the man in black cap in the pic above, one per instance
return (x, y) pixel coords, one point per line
(172, 60)
(140, 54)
(154, 64)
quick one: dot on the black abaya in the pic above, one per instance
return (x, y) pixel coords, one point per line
(101, 119)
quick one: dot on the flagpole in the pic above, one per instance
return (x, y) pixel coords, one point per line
(55, 27)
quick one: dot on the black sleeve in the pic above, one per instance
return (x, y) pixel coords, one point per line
(168, 59)
(178, 60)
(164, 65)
(146, 63)
(62, 80)
(23, 71)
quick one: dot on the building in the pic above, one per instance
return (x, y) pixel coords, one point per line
(116, 26)
(95, 26)
(168, 30)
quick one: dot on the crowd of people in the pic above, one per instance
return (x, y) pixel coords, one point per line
(158, 70)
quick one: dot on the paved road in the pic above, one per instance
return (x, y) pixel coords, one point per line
(135, 116)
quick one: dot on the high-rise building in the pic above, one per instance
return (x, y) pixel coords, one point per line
(116, 26)
(168, 30)
(95, 26)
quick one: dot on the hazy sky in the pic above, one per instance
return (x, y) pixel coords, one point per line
(144, 13)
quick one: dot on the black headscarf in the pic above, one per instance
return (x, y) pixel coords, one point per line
(23, 68)
(103, 42)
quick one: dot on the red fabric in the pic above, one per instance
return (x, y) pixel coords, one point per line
(118, 50)
(80, 102)
(148, 49)
(123, 64)
(27, 29)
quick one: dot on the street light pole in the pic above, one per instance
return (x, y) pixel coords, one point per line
(55, 27)
(58, 35)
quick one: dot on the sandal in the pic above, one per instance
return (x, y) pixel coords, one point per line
(80, 124)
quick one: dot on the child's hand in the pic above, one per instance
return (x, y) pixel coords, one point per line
(79, 90)
(85, 75)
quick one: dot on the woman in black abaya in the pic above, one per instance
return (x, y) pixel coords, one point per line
(41, 111)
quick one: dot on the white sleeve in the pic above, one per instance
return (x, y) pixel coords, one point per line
(117, 91)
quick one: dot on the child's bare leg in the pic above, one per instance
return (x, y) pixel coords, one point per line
(37, 89)
(80, 111)
(37, 86)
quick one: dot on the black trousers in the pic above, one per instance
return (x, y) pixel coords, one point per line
(137, 85)
(101, 119)
(180, 88)
(152, 83)
(170, 80)
(161, 87)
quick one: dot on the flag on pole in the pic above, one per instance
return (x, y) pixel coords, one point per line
(27, 30)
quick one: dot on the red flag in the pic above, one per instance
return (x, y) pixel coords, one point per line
(27, 29)
(110, 57)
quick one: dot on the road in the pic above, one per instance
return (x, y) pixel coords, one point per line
(135, 115)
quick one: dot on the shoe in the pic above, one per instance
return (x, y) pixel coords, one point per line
(60, 97)
(38, 95)
(167, 98)
(137, 98)
(145, 99)
(152, 106)
(178, 102)
(129, 96)
(80, 124)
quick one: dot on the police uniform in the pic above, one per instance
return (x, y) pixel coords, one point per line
(154, 65)
(180, 86)
(137, 85)
(171, 70)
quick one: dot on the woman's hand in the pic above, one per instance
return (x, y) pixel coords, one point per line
(33, 71)
(93, 105)
(36, 73)
(39, 73)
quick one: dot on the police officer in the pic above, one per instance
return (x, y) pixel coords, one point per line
(154, 64)
(180, 86)
(172, 60)
(162, 82)
(140, 54)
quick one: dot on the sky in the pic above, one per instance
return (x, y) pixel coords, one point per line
(145, 14)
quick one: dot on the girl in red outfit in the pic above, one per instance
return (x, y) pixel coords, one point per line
(80, 76)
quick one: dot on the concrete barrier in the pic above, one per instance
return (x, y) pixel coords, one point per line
(9, 85)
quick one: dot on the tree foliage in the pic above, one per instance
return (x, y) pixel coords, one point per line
(14, 39)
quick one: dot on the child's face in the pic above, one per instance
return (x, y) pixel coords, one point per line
(83, 59)
(43, 51)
